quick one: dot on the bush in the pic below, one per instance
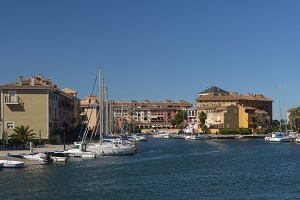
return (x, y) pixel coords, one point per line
(243, 131)
(51, 140)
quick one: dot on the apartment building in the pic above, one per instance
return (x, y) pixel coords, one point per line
(147, 114)
(216, 95)
(230, 110)
(39, 103)
(89, 111)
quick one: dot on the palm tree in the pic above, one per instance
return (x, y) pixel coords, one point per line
(22, 134)
(202, 117)
(295, 118)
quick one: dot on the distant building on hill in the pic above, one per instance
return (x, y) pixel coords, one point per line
(38, 102)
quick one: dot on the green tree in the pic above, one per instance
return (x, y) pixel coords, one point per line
(22, 134)
(204, 128)
(179, 119)
(295, 118)
(275, 125)
(202, 117)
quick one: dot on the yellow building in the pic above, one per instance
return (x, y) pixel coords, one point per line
(223, 116)
(37, 102)
(216, 96)
(253, 118)
(89, 111)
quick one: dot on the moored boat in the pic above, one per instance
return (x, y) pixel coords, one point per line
(59, 157)
(77, 150)
(12, 163)
(280, 137)
(38, 157)
(198, 137)
(114, 148)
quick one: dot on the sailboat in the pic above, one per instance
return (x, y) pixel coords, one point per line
(281, 136)
(113, 147)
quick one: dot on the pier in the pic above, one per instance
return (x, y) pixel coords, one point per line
(46, 148)
(238, 136)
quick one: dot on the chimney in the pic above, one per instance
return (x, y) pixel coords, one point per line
(20, 80)
(32, 81)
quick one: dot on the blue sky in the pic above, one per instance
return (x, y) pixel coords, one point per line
(156, 49)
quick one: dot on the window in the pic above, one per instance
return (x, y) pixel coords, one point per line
(10, 125)
(12, 96)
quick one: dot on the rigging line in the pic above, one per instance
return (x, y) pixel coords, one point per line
(82, 127)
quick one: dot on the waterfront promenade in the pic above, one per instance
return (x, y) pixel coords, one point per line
(45, 148)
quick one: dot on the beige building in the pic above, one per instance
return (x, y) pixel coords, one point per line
(218, 117)
(230, 110)
(217, 96)
(37, 102)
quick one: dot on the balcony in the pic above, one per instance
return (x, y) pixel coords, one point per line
(12, 100)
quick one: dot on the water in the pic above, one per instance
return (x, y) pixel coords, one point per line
(167, 169)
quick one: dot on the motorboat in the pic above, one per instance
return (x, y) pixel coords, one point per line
(12, 163)
(280, 137)
(15, 155)
(199, 137)
(160, 134)
(239, 137)
(115, 147)
(38, 157)
(78, 149)
(59, 157)
(139, 138)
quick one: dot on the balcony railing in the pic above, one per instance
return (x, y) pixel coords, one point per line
(12, 100)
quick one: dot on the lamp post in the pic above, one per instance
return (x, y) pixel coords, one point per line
(1, 131)
(64, 132)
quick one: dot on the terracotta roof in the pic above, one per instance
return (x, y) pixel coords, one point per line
(69, 91)
(231, 96)
(38, 81)
(207, 107)
(159, 104)
(249, 108)
(261, 111)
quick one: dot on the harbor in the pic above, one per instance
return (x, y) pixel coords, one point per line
(75, 150)
(166, 169)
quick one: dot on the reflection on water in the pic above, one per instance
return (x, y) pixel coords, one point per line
(166, 169)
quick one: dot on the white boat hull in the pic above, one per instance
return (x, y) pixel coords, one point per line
(38, 157)
(280, 137)
(111, 151)
(12, 163)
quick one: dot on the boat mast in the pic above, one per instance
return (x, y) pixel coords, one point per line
(111, 117)
(281, 120)
(106, 111)
(100, 108)
(122, 117)
(102, 105)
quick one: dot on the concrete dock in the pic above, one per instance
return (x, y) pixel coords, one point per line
(46, 148)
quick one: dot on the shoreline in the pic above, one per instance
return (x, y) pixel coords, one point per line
(46, 148)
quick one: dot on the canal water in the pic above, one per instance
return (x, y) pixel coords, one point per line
(167, 169)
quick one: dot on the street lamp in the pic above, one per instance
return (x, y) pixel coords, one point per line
(64, 132)
(1, 131)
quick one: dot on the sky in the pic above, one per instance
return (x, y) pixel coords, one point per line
(156, 49)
